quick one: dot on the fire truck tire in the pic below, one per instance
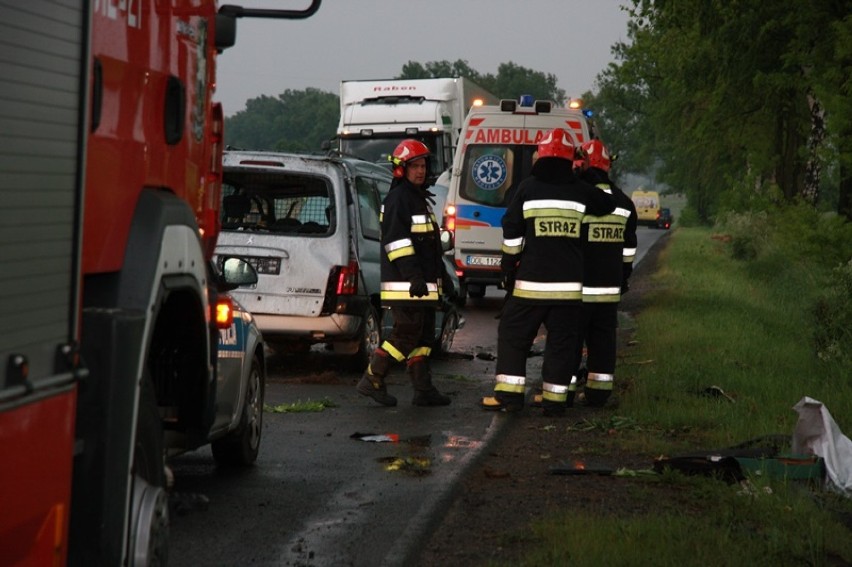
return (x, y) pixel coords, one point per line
(149, 526)
(241, 446)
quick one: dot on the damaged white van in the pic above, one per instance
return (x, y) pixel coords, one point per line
(310, 227)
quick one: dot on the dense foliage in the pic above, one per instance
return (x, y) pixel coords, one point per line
(740, 104)
(295, 121)
(511, 80)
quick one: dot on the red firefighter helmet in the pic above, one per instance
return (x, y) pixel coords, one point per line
(557, 143)
(598, 154)
(406, 151)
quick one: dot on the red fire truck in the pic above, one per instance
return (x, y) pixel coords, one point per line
(110, 152)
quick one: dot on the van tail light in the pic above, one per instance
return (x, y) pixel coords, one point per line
(224, 312)
(342, 284)
(345, 279)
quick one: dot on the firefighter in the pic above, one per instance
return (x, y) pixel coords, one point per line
(413, 279)
(609, 245)
(542, 267)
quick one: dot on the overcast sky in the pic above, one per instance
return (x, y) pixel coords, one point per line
(373, 39)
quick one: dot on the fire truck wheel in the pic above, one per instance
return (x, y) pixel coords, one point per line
(150, 513)
(240, 447)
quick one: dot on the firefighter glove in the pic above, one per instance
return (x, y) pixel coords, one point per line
(508, 281)
(625, 287)
(418, 287)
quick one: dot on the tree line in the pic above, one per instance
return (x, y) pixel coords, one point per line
(300, 120)
(741, 104)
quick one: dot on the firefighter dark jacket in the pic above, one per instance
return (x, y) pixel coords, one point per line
(542, 250)
(411, 245)
(609, 243)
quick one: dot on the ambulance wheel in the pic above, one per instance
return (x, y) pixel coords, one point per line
(149, 528)
(461, 300)
(476, 291)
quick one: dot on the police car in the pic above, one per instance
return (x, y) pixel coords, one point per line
(240, 379)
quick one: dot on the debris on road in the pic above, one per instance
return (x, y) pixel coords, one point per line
(376, 437)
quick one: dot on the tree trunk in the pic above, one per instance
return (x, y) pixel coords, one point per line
(844, 204)
(813, 167)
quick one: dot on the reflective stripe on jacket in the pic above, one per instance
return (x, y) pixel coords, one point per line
(541, 232)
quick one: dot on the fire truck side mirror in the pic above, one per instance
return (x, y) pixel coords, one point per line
(226, 31)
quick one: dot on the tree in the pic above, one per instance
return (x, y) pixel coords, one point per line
(511, 80)
(295, 121)
(737, 100)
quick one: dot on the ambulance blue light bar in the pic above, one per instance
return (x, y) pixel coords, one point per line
(588, 113)
(527, 100)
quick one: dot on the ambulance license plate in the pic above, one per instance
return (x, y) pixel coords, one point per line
(490, 261)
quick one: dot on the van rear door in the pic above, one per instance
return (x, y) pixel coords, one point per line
(287, 222)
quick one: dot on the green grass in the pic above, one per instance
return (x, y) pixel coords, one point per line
(300, 406)
(747, 328)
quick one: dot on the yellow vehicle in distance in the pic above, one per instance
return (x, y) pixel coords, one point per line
(647, 206)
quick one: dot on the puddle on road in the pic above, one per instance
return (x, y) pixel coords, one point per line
(416, 455)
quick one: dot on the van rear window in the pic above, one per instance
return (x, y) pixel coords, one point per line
(491, 172)
(277, 203)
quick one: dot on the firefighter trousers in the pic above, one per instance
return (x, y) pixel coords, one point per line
(518, 327)
(413, 332)
(598, 329)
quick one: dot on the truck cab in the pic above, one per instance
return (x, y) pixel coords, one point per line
(375, 116)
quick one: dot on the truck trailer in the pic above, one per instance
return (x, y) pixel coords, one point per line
(376, 115)
(110, 155)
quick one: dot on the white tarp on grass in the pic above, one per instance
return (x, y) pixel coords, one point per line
(816, 433)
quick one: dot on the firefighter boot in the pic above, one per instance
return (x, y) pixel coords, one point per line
(598, 388)
(425, 394)
(372, 383)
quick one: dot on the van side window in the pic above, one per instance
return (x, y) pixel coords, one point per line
(368, 207)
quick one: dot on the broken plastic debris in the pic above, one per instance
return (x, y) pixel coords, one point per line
(376, 438)
(412, 465)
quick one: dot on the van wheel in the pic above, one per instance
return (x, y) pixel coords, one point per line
(448, 331)
(241, 446)
(368, 341)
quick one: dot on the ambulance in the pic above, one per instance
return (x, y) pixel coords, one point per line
(494, 154)
(647, 206)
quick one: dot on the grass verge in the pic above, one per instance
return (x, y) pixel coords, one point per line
(715, 324)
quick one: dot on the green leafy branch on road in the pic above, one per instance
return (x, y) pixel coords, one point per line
(300, 406)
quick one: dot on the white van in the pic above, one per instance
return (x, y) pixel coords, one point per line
(309, 225)
(494, 155)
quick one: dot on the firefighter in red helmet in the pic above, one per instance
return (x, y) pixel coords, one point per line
(609, 245)
(542, 268)
(412, 273)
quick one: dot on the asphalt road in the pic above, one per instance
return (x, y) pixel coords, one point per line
(317, 496)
